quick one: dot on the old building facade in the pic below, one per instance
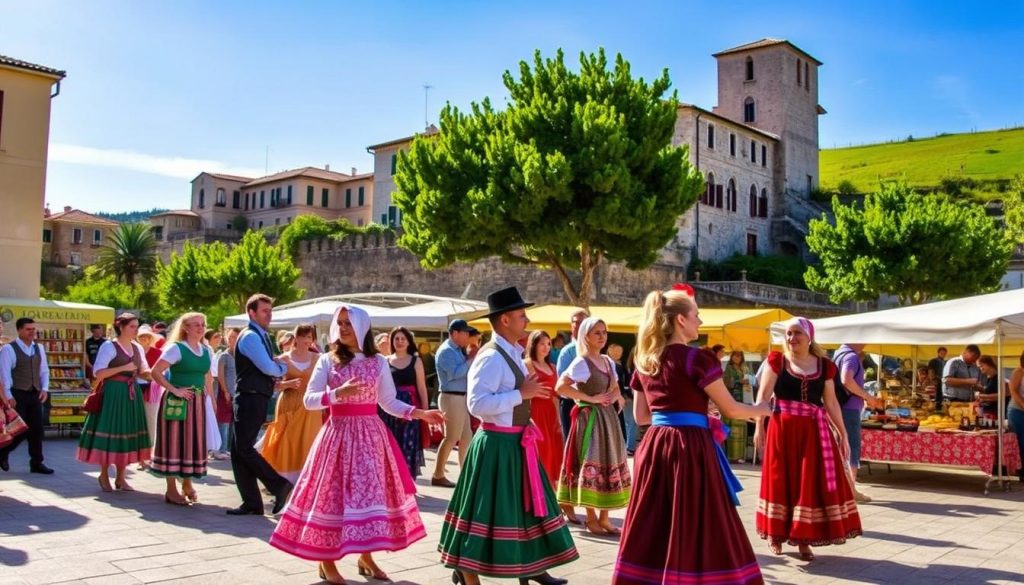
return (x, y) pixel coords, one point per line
(26, 92)
(74, 238)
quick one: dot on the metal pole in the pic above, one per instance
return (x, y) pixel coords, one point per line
(1000, 394)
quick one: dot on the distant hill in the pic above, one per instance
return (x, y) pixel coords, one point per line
(132, 216)
(978, 164)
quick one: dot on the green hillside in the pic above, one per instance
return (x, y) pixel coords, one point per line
(981, 164)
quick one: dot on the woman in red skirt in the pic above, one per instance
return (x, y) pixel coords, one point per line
(544, 413)
(806, 499)
(682, 526)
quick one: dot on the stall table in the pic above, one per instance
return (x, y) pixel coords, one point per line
(962, 449)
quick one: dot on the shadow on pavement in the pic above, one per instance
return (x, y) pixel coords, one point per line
(26, 519)
(950, 510)
(907, 539)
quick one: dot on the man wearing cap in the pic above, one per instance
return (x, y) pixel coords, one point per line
(485, 531)
(452, 363)
(24, 380)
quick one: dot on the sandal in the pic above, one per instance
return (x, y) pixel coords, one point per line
(176, 501)
(595, 528)
(775, 547)
(570, 515)
(191, 496)
(123, 486)
(806, 553)
(323, 577)
(105, 485)
(610, 528)
(374, 571)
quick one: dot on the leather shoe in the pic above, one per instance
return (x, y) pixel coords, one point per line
(3, 462)
(41, 468)
(543, 579)
(282, 498)
(243, 511)
(441, 482)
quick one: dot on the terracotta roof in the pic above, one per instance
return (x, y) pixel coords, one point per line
(764, 43)
(6, 61)
(430, 131)
(80, 216)
(729, 120)
(187, 212)
(230, 177)
(311, 172)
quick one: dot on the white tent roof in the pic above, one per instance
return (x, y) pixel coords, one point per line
(956, 322)
(387, 310)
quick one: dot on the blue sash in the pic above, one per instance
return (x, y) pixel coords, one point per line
(693, 419)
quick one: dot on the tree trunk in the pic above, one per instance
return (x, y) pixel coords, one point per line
(571, 293)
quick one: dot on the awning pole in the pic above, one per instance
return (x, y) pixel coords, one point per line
(1000, 394)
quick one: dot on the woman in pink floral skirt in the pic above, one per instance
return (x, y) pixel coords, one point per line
(355, 494)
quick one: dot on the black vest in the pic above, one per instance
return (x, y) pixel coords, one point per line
(250, 379)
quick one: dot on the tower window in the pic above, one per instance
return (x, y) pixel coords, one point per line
(708, 198)
(799, 73)
(730, 196)
(762, 204)
(752, 207)
(748, 110)
(711, 135)
(732, 144)
(764, 155)
(750, 69)
(807, 77)
(753, 151)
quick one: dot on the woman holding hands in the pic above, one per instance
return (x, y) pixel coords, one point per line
(355, 494)
(806, 499)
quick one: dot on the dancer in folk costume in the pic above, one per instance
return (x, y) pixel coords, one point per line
(117, 434)
(355, 494)
(290, 437)
(544, 413)
(681, 524)
(806, 499)
(595, 470)
(486, 531)
(180, 449)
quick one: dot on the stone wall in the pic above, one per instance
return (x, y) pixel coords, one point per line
(375, 264)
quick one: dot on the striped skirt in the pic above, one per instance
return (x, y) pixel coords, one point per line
(117, 434)
(487, 529)
(180, 449)
(595, 471)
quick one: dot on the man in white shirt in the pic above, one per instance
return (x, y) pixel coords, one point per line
(25, 378)
(502, 469)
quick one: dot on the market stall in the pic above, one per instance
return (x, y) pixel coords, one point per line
(995, 322)
(62, 329)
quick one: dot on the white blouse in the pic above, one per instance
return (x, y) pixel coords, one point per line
(108, 351)
(318, 387)
(172, 355)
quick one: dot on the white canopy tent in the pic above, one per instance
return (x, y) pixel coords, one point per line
(387, 310)
(994, 322)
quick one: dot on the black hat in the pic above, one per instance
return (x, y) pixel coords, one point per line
(461, 325)
(505, 300)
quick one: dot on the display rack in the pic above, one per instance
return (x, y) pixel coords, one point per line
(64, 344)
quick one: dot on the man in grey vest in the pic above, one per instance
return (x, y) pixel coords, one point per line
(25, 377)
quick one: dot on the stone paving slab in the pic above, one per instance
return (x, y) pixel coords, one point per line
(925, 527)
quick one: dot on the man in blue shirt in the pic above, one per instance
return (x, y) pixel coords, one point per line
(256, 372)
(452, 363)
(851, 374)
(565, 358)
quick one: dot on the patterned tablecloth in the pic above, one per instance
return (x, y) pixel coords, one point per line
(940, 448)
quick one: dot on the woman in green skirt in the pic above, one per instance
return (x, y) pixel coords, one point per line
(117, 435)
(180, 450)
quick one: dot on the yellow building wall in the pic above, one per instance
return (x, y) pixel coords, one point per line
(24, 139)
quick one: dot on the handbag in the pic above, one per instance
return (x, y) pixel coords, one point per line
(14, 425)
(175, 408)
(94, 401)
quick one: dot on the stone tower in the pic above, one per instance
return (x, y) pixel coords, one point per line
(772, 85)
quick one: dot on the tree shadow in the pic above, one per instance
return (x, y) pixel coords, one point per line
(950, 510)
(26, 520)
(208, 518)
(915, 540)
(884, 571)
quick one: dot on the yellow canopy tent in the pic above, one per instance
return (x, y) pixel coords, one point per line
(54, 311)
(739, 329)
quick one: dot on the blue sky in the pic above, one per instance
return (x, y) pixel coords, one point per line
(158, 91)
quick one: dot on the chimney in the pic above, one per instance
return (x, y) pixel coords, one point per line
(327, 167)
(46, 210)
(353, 171)
(67, 208)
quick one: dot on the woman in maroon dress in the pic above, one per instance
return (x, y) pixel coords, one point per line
(806, 499)
(682, 525)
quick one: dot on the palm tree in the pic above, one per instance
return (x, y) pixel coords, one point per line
(130, 254)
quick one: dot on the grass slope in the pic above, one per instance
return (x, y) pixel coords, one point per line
(985, 157)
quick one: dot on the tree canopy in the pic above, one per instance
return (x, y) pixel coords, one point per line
(130, 254)
(577, 169)
(914, 247)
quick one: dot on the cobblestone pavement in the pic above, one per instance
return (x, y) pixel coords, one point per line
(924, 527)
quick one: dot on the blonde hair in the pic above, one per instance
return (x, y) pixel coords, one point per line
(582, 347)
(657, 325)
(812, 348)
(178, 329)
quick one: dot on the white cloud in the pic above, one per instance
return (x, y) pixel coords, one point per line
(166, 166)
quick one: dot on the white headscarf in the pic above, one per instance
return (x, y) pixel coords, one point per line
(360, 323)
